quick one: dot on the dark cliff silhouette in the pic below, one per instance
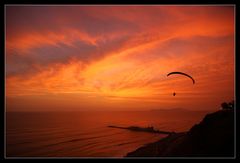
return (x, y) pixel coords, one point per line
(212, 137)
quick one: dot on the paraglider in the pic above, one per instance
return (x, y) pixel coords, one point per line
(181, 73)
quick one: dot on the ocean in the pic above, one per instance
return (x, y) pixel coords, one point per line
(86, 133)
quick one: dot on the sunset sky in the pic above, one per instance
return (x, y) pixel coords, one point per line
(118, 57)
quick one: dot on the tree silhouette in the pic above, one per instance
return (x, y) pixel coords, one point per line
(226, 106)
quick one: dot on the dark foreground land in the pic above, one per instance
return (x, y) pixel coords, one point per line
(212, 137)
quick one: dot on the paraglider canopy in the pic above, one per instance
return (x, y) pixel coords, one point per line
(181, 73)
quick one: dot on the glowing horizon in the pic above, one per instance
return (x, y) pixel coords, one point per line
(83, 58)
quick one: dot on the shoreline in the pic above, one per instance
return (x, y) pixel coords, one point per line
(148, 150)
(212, 137)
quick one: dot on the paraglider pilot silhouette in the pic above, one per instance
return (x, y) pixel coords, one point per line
(181, 73)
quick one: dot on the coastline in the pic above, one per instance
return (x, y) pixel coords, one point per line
(212, 137)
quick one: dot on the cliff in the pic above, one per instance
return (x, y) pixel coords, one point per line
(212, 137)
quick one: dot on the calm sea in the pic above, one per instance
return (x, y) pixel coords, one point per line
(85, 134)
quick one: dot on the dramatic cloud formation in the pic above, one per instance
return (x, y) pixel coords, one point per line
(117, 57)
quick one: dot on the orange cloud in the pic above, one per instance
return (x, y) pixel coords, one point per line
(29, 41)
(134, 71)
